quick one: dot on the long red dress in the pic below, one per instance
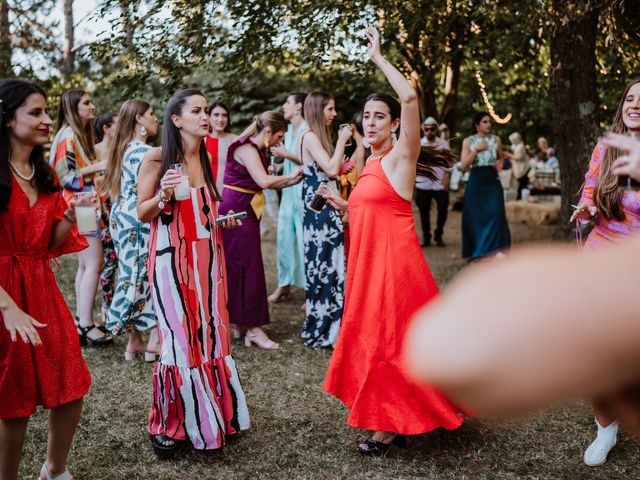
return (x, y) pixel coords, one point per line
(388, 280)
(53, 373)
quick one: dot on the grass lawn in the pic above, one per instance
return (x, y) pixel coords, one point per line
(299, 432)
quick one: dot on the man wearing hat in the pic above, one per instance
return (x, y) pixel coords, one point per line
(438, 189)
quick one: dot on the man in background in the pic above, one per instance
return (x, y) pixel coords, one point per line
(428, 190)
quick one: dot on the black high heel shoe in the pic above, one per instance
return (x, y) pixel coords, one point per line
(163, 446)
(376, 449)
(102, 341)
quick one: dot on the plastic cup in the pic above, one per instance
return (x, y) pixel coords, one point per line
(86, 208)
(183, 190)
(525, 194)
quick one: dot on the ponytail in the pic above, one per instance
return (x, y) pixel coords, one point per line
(274, 120)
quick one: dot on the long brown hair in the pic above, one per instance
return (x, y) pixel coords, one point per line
(172, 147)
(13, 94)
(68, 115)
(125, 133)
(314, 106)
(607, 195)
(430, 158)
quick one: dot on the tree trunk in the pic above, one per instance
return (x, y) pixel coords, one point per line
(573, 96)
(68, 54)
(452, 81)
(428, 101)
(5, 41)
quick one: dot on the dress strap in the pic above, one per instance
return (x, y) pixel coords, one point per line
(381, 156)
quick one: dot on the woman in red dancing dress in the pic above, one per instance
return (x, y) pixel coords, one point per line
(40, 359)
(388, 279)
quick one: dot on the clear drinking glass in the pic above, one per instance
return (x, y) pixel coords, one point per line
(86, 208)
(183, 190)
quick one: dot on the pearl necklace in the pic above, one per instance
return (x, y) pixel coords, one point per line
(26, 178)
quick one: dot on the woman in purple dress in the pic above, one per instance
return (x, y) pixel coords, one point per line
(246, 175)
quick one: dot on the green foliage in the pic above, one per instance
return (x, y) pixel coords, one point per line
(252, 53)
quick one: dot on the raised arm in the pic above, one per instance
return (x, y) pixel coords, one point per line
(314, 149)
(149, 196)
(408, 146)
(247, 156)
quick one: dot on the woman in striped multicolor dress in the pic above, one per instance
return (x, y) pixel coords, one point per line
(196, 389)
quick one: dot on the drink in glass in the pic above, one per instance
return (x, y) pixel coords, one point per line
(86, 209)
(183, 190)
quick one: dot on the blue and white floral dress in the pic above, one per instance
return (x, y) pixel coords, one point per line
(131, 307)
(323, 235)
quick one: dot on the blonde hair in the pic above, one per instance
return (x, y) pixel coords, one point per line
(125, 133)
(607, 195)
(314, 106)
(68, 116)
(274, 120)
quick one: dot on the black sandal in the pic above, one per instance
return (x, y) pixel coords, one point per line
(102, 341)
(377, 449)
(163, 446)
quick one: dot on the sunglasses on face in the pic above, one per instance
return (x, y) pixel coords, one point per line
(429, 129)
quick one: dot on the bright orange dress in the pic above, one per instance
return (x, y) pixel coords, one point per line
(388, 280)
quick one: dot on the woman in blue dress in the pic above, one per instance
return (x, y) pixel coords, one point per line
(290, 242)
(131, 309)
(484, 224)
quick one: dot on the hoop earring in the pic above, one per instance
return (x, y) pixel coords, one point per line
(143, 131)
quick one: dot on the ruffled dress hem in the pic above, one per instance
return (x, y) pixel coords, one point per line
(212, 389)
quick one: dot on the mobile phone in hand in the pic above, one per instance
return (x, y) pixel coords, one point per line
(237, 216)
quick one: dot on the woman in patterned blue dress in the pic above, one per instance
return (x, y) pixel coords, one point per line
(323, 231)
(131, 309)
(485, 230)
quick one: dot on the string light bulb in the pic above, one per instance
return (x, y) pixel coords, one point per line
(490, 109)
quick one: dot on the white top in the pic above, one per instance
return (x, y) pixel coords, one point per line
(423, 183)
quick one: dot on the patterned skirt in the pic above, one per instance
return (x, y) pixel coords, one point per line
(323, 235)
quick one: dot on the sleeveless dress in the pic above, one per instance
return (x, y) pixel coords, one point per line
(323, 234)
(388, 280)
(248, 306)
(290, 241)
(53, 373)
(196, 389)
(131, 307)
(211, 145)
(484, 223)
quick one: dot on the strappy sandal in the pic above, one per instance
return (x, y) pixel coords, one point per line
(46, 475)
(163, 446)
(261, 341)
(377, 449)
(102, 341)
(83, 340)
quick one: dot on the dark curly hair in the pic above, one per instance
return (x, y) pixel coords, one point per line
(13, 94)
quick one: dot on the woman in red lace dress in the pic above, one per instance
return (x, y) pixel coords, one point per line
(388, 279)
(40, 359)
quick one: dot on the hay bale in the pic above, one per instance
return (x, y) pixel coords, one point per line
(528, 213)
